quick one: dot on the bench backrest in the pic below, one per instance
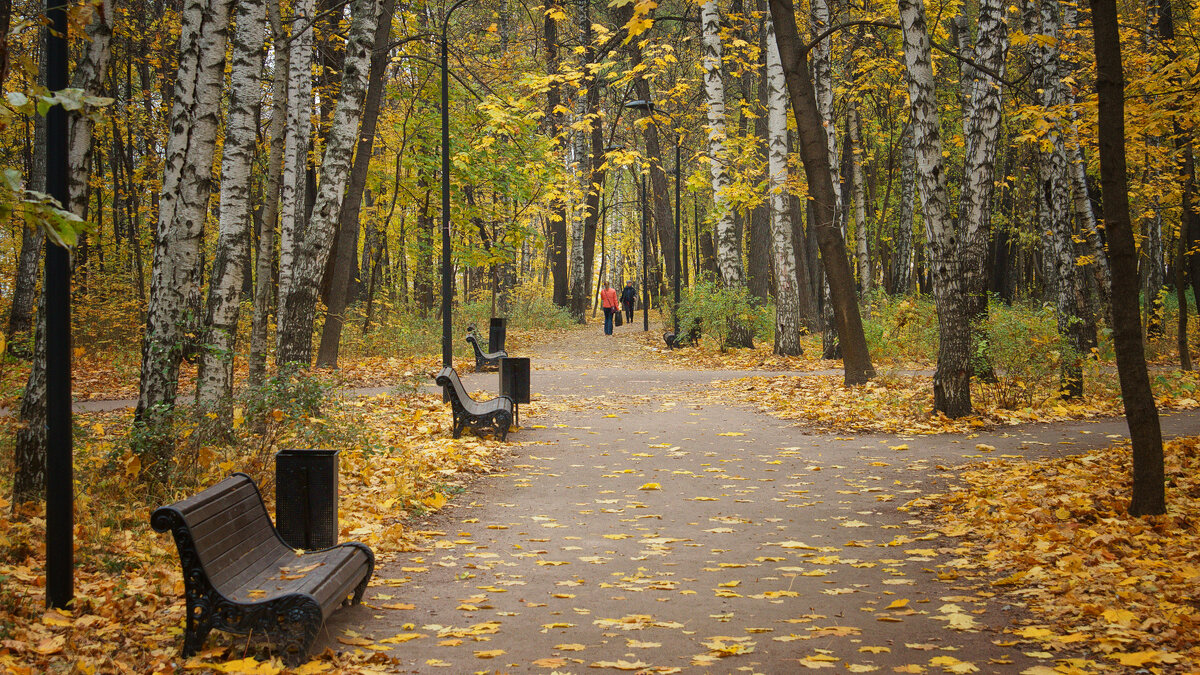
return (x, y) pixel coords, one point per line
(448, 377)
(228, 529)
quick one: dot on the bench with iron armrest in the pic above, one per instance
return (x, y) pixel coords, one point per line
(496, 413)
(239, 576)
(485, 360)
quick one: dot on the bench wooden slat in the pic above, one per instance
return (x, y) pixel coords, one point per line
(228, 547)
(496, 413)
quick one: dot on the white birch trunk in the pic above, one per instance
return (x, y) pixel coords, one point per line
(295, 147)
(822, 66)
(310, 253)
(89, 74)
(580, 169)
(902, 276)
(1055, 194)
(981, 132)
(951, 381)
(859, 195)
(187, 177)
(729, 254)
(783, 248)
(214, 381)
(263, 270)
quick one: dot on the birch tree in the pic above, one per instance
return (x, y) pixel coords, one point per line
(214, 380)
(981, 132)
(264, 287)
(174, 302)
(311, 248)
(1055, 194)
(952, 379)
(295, 147)
(902, 260)
(729, 253)
(783, 249)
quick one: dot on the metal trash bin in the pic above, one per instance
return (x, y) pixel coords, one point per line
(497, 331)
(306, 497)
(514, 382)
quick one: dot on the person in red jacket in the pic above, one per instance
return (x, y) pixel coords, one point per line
(608, 300)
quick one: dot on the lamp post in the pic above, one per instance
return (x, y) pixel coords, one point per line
(447, 276)
(645, 274)
(648, 107)
(60, 486)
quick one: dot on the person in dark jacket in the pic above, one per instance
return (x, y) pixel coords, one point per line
(628, 297)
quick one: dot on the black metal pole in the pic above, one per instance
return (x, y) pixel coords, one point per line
(447, 276)
(645, 272)
(696, 239)
(678, 172)
(60, 487)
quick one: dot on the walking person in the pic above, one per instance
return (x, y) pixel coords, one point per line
(608, 300)
(628, 297)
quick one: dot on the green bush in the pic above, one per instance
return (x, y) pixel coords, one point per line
(901, 328)
(708, 310)
(1025, 351)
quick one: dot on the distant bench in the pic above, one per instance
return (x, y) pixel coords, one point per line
(496, 413)
(241, 577)
(485, 359)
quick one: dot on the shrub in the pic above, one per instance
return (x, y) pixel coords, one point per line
(709, 309)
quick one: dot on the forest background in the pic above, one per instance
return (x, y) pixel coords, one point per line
(256, 189)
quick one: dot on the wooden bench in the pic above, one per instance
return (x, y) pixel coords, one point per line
(485, 360)
(496, 413)
(239, 576)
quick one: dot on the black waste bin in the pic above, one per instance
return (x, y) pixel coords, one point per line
(306, 498)
(514, 382)
(497, 328)
(619, 317)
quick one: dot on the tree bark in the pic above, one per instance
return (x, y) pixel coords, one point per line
(952, 379)
(298, 307)
(814, 152)
(1055, 193)
(174, 303)
(981, 133)
(1148, 495)
(787, 295)
(856, 157)
(297, 137)
(556, 244)
(902, 260)
(729, 251)
(346, 261)
(214, 379)
(264, 287)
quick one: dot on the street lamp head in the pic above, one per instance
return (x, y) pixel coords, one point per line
(641, 105)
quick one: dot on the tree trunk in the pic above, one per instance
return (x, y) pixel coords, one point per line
(264, 287)
(981, 133)
(758, 268)
(902, 260)
(214, 379)
(293, 191)
(346, 261)
(855, 158)
(814, 152)
(729, 252)
(556, 241)
(952, 380)
(1055, 192)
(29, 270)
(174, 303)
(298, 307)
(787, 295)
(1149, 493)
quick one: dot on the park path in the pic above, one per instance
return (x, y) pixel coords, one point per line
(642, 526)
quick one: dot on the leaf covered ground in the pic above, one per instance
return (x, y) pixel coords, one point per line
(397, 461)
(1055, 536)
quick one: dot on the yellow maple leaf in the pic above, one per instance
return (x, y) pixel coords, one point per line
(651, 486)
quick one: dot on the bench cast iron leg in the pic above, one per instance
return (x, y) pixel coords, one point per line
(295, 630)
(198, 626)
